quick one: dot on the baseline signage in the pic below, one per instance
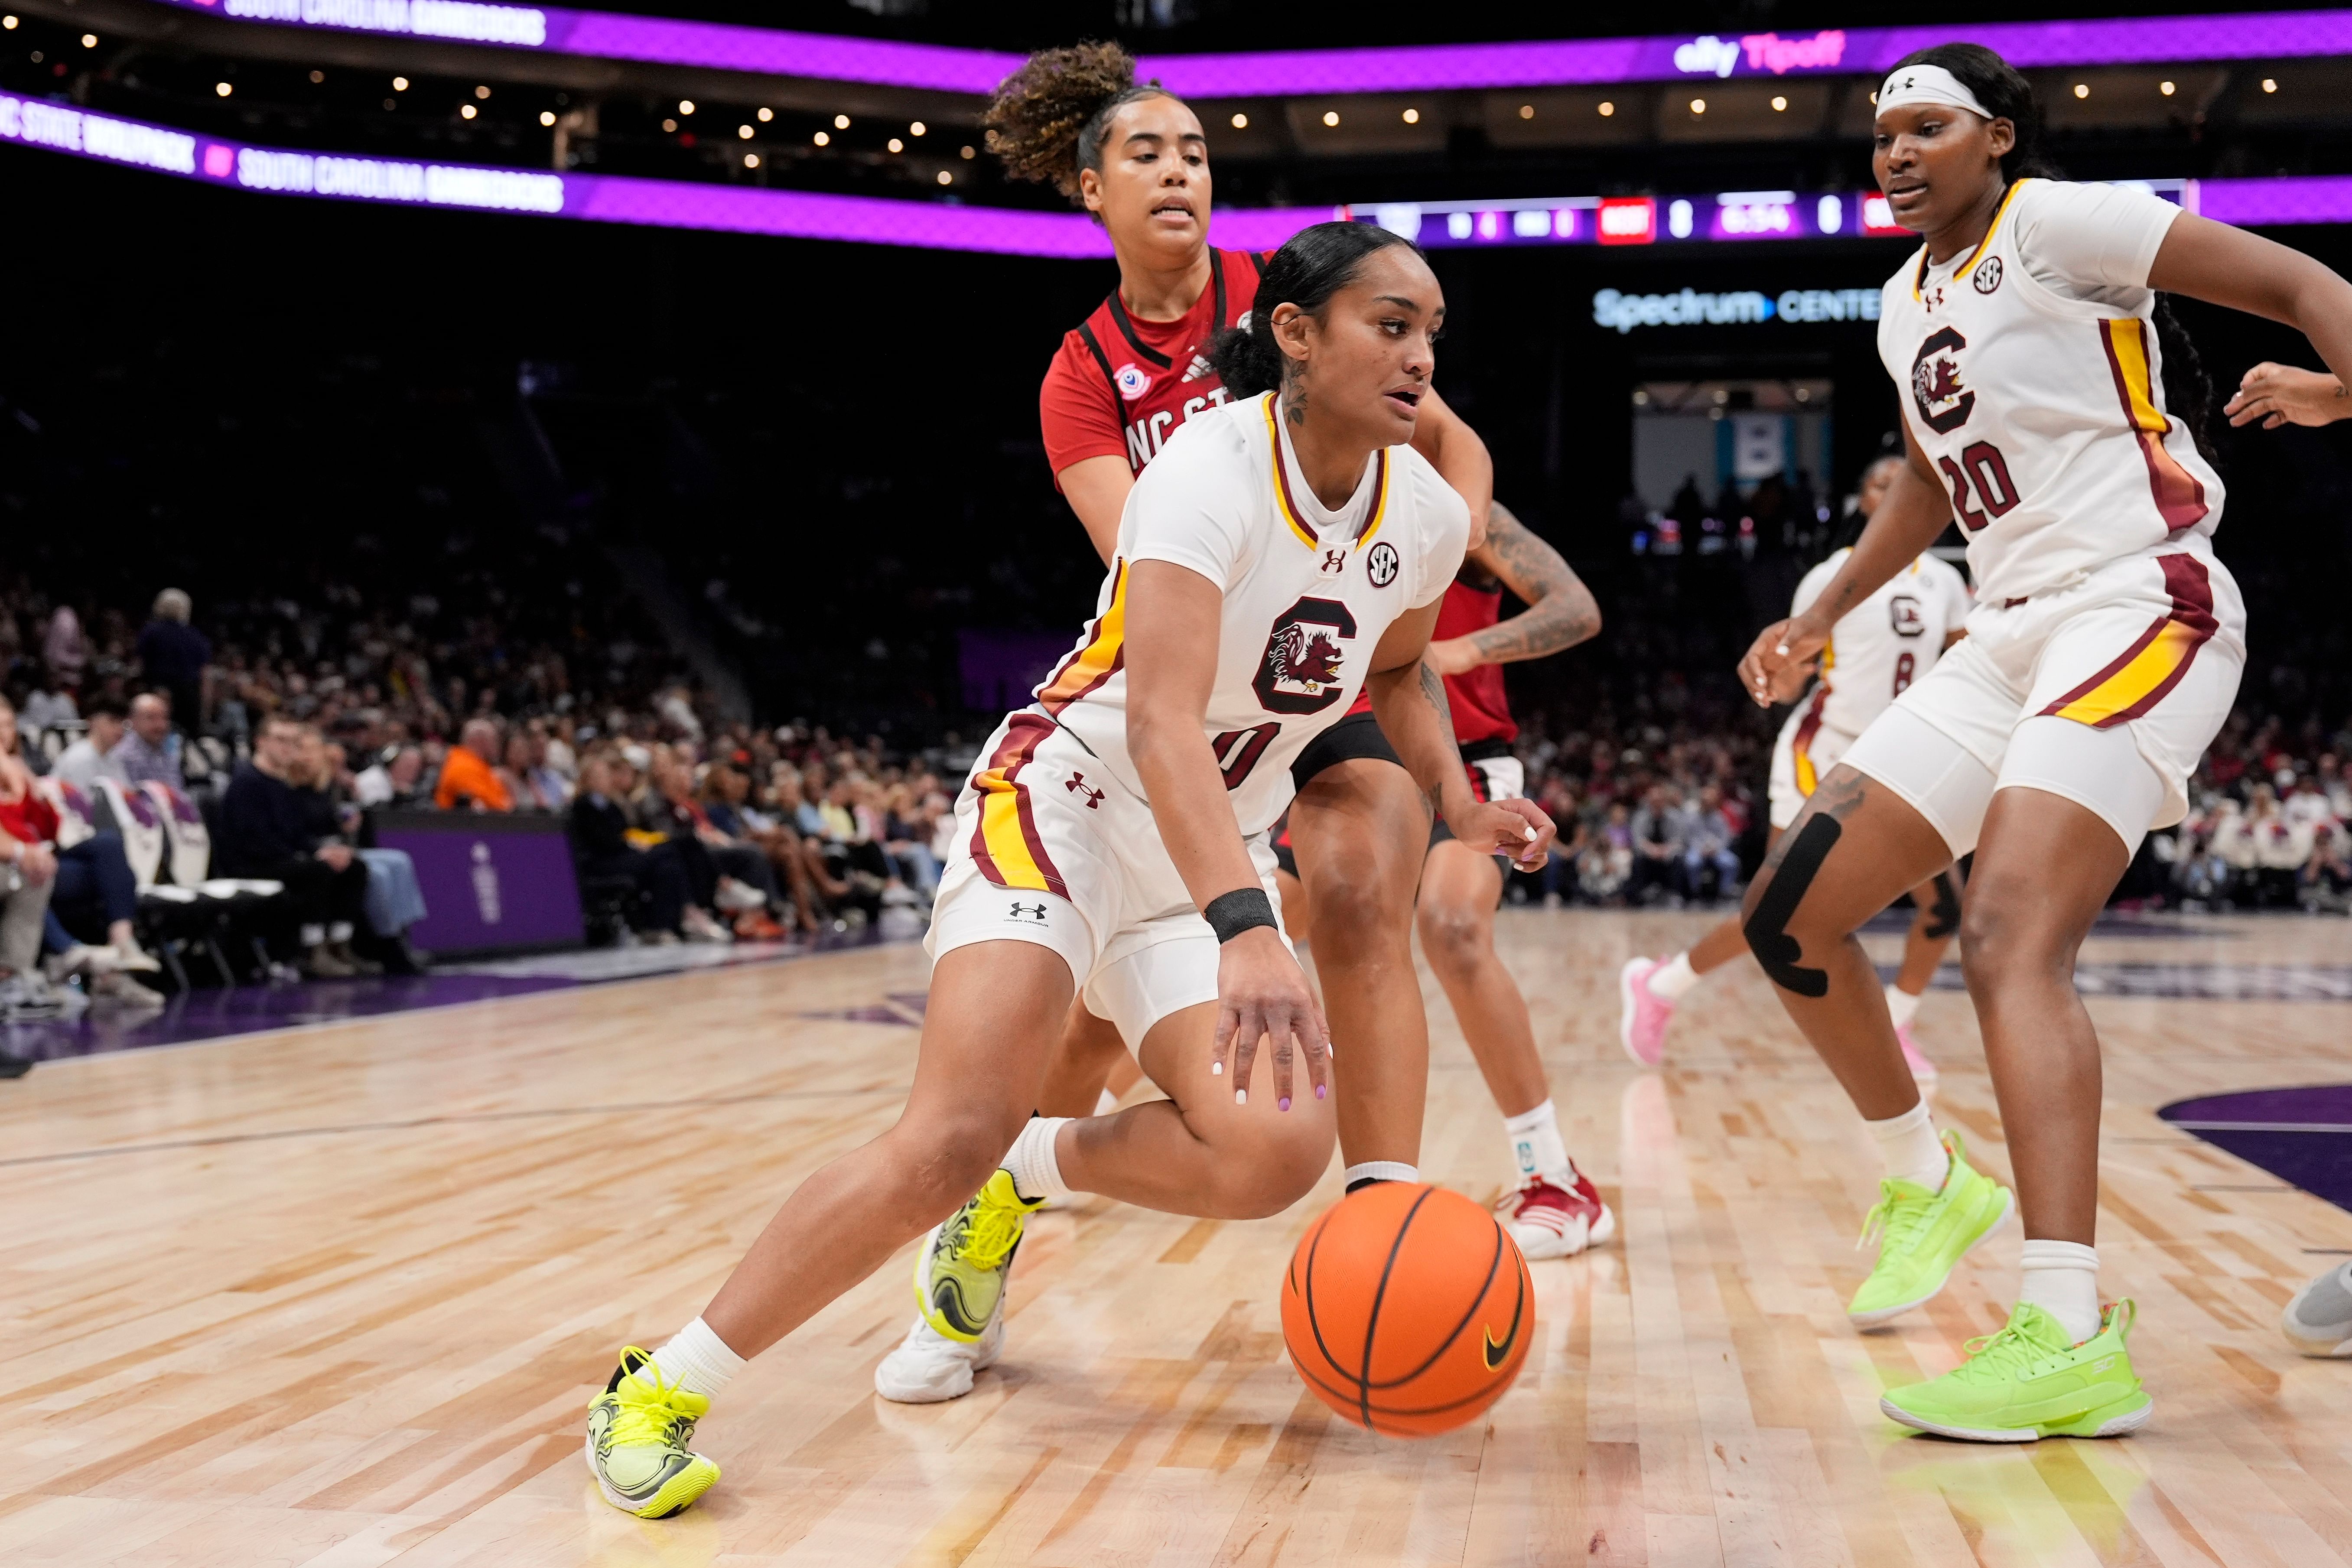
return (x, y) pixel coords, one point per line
(1576, 62)
(1690, 307)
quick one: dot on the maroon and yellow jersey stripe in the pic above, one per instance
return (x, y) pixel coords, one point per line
(2137, 679)
(1801, 745)
(1285, 499)
(2180, 498)
(1006, 845)
(1097, 659)
(1919, 278)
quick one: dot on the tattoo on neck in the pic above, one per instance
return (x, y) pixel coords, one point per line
(1294, 393)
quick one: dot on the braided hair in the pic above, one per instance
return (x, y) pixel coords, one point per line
(2187, 388)
(1047, 120)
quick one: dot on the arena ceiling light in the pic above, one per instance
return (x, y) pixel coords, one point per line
(554, 29)
(1728, 216)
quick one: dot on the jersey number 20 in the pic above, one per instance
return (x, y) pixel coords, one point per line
(1982, 468)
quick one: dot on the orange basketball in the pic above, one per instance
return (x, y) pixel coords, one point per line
(1407, 1309)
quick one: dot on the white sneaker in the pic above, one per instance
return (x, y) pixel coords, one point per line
(131, 958)
(734, 898)
(79, 959)
(30, 996)
(122, 990)
(927, 1367)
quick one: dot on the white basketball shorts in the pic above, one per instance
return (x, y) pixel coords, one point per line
(2106, 692)
(1050, 849)
(1804, 753)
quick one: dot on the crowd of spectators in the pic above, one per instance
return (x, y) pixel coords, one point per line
(2270, 821)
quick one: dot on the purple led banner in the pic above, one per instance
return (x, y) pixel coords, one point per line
(1730, 216)
(2284, 35)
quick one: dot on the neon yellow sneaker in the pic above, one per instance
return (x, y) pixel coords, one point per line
(2026, 1382)
(637, 1432)
(960, 1274)
(1923, 1234)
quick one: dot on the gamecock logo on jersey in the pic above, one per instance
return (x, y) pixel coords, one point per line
(1904, 613)
(1943, 403)
(1132, 380)
(1306, 657)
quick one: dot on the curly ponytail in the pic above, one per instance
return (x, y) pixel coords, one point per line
(1047, 119)
(1319, 262)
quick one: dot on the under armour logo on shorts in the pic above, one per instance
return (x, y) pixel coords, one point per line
(1034, 913)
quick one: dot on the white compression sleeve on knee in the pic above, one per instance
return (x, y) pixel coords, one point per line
(1912, 1151)
(697, 1360)
(1537, 1148)
(1036, 1170)
(2061, 1277)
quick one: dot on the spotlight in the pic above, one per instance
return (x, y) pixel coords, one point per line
(1779, 105)
(896, 145)
(685, 106)
(2082, 89)
(89, 41)
(222, 89)
(822, 139)
(743, 131)
(466, 111)
(670, 125)
(750, 159)
(946, 178)
(1412, 116)
(2270, 84)
(2165, 87)
(1607, 108)
(318, 77)
(1698, 106)
(482, 92)
(1330, 117)
(1241, 121)
(400, 84)
(547, 117)
(970, 151)
(917, 129)
(766, 115)
(10, 23)
(1527, 111)
(841, 123)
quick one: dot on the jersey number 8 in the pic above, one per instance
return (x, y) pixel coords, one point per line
(1982, 464)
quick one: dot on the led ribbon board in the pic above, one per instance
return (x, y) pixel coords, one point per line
(1581, 62)
(943, 226)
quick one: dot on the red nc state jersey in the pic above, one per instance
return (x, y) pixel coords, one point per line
(1120, 386)
(1481, 710)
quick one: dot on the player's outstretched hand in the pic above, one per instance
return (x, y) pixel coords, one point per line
(1516, 829)
(1780, 660)
(1261, 996)
(2282, 395)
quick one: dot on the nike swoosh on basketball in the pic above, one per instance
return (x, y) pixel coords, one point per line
(1496, 1352)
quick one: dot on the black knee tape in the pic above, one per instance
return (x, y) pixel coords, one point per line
(1944, 914)
(1766, 930)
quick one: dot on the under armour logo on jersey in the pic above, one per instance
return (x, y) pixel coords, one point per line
(1334, 562)
(1199, 368)
(1034, 913)
(1076, 785)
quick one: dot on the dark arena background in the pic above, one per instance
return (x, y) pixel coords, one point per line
(755, 515)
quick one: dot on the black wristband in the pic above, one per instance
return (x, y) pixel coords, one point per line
(1230, 914)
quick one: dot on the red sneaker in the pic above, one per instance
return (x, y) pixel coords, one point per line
(1547, 1221)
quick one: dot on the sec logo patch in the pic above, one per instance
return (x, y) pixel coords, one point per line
(1381, 566)
(1987, 277)
(1132, 380)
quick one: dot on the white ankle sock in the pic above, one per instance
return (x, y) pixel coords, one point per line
(697, 1360)
(1671, 979)
(1911, 1148)
(1537, 1148)
(1036, 1172)
(1379, 1171)
(1903, 1005)
(2061, 1277)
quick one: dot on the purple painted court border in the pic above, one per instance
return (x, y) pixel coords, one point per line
(807, 215)
(2303, 1136)
(2284, 35)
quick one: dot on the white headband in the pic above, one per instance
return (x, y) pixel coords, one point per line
(1927, 84)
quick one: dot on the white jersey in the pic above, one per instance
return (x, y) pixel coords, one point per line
(2035, 386)
(1307, 592)
(1884, 643)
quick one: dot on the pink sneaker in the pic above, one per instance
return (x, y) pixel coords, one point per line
(1923, 1071)
(1642, 1029)
(1555, 1222)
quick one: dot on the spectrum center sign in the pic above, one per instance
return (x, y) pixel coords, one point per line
(1690, 307)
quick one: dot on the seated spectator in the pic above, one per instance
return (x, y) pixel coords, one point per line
(177, 657)
(268, 831)
(601, 846)
(1661, 829)
(394, 779)
(47, 710)
(1708, 848)
(87, 761)
(469, 780)
(28, 870)
(726, 801)
(728, 877)
(1607, 863)
(394, 900)
(150, 752)
(535, 787)
(89, 885)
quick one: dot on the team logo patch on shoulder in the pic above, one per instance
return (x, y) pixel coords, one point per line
(1133, 383)
(1987, 277)
(1381, 564)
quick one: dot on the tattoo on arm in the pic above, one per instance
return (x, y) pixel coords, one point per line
(1433, 685)
(1561, 611)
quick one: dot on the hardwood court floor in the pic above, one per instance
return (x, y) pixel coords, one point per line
(339, 1297)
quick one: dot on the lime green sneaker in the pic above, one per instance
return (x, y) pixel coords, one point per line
(960, 1271)
(637, 1432)
(2026, 1382)
(1922, 1234)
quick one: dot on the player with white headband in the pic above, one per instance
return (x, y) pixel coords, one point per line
(2102, 654)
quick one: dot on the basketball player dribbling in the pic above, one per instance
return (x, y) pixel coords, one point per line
(1125, 380)
(2102, 654)
(1553, 1209)
(1112, 839)
(1876, 651)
